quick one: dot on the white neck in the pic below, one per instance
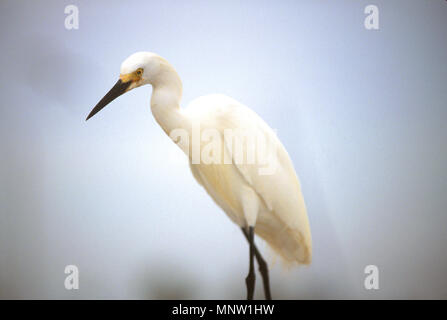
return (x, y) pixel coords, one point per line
(165, 101)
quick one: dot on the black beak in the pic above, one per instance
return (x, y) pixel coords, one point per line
(118, 89)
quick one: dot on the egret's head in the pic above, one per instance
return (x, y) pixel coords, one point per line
(139, 69)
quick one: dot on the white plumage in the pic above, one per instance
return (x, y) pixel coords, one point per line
(281, 217)
(263, 197)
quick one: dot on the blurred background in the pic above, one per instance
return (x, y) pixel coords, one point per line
(362, 113)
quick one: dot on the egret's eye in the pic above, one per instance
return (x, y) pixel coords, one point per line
(139, 72)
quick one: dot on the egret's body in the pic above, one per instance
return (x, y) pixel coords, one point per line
(273, 203)
(270, 204)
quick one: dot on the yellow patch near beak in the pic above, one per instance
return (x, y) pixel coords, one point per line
(133, 76)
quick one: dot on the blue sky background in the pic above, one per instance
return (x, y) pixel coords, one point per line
(362, 114)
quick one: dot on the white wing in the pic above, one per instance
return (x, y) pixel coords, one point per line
(282, 220)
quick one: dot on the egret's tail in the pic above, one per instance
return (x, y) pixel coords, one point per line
(291, 245)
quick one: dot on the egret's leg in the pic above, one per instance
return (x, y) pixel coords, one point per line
(263, 268)
(250, 279)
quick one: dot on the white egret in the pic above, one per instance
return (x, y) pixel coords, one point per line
(269, 204)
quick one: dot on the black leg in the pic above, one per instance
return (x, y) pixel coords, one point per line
(263, 268)
(250, 280)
